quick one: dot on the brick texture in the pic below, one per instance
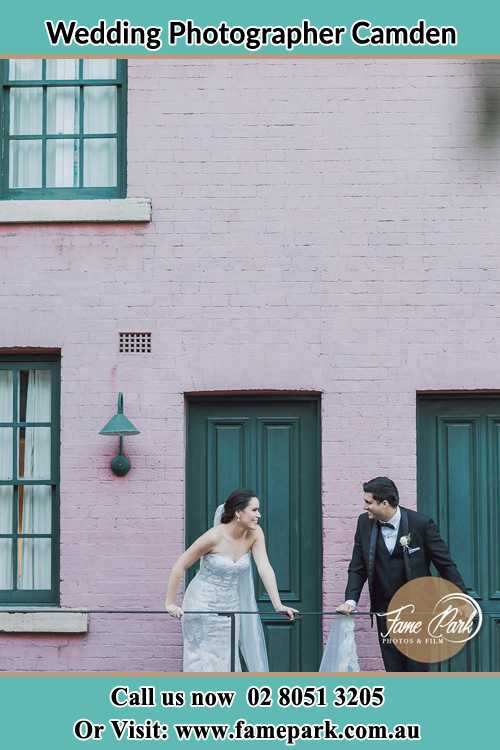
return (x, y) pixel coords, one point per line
(317, 224)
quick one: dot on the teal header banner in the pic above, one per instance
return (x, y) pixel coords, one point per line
(258, 28)
(430, 711)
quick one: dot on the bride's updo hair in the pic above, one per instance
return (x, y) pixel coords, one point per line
(237, 500)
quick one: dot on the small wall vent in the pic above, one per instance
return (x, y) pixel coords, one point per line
(135, 342)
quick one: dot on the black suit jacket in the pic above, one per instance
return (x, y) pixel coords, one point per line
(424, 534)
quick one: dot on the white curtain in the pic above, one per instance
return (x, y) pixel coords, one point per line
(62, 69)
(62, 154)
(100, 104)
(26, 155)
(63, 118)
(34, 555)
(26, 111)
(99, 162)
(99, 68)
(100, 116)
(25, 70)
(5, 473)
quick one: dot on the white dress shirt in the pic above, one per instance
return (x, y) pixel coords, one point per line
(390, 536)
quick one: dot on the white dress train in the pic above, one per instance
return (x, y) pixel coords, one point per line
(340, 654)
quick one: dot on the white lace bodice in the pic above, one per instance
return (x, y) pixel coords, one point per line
(221, 571)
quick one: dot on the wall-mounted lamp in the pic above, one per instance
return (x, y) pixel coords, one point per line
(120, 425)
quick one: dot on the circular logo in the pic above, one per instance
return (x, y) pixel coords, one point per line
(430, 619)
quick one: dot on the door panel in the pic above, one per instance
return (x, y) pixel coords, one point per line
(460, 502)
(228, 458)
(270, 445)
(493, 512)
(458, 464)
(280, 485)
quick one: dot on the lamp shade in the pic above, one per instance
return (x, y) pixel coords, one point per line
(119, 424)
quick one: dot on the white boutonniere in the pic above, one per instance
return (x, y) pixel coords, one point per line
(405, 542)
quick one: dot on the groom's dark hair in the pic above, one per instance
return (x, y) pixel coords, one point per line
(237, 500)
(383, 488)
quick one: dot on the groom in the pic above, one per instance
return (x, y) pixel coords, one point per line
(379, 556)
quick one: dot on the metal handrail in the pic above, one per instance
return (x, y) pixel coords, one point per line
(52, 609)
(227, 613)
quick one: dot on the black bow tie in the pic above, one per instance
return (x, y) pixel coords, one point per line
(387, 524)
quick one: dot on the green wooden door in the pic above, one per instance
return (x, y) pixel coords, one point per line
(270, 445)
(458, 485)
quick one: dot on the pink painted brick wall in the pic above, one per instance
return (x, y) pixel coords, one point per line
(318, 224)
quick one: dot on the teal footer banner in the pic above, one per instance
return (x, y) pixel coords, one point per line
(428, 711)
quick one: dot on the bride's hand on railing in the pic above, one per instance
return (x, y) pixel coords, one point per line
(290, 612)
(174, 610)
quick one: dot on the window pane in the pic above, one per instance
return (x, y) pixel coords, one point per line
(5, 396)
(99, 109)
(99, 69)
(25, 164)
(25, 70)
(34, 452)
(99, 167)
(58, 70)
(34, 395)
(5, 564)
(63, 163)
(6, 496)
(34, 509)
(63, 110)
(5, 453)
(33, 564)
(26, 111)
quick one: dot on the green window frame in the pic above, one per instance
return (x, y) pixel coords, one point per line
(14, 539)
(81, 135)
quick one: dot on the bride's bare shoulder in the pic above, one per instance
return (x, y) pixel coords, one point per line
(257, 535)
(208, 540)
(215, 534)
(215, 538)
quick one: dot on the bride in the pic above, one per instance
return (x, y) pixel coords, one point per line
(224, 582)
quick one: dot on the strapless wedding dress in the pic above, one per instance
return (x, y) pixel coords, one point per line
(222, 585)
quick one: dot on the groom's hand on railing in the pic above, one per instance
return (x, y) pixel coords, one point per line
(174, 610)
(290, 612)
(347, 608)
